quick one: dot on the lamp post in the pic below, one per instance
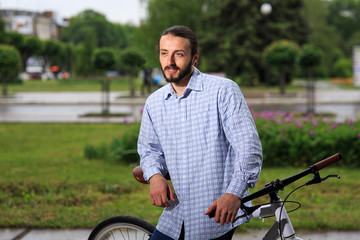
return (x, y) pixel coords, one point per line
(265, 10)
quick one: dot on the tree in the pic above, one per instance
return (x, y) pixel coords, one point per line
(236, 33)
(282, 55)
(134, 61)
(50, 52)
(320, 30)
(106, 34)
(31, 47)
(310, 57)
(83, 54)
(162, 14)
(104, 59)
(9, 65)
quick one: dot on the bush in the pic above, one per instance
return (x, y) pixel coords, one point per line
(295, 139)
(342, 68)
(123, 148)
(288, 139)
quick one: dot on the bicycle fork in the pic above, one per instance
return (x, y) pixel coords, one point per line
(276, 208)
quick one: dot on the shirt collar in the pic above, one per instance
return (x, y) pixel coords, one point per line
(195, 84)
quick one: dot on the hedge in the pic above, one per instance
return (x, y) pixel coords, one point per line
(288, 139)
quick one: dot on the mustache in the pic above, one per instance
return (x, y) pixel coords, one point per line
(172, 67)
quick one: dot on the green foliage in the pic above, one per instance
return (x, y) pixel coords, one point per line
(342, 68)
(310, 56)
(133, 58)
(281, 53)
(294, 139)
(288, 139)
(123, 148)
(83, 54)
(9, 65)
(104, 59)
(106, 34)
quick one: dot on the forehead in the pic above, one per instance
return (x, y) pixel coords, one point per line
(170, 42)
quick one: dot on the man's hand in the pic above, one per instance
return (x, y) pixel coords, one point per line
(160, 191)
(226, 208)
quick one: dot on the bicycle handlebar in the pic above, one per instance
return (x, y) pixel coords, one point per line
(280, 184)
(328, 161)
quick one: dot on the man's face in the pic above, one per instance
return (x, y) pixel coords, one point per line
(175, 58)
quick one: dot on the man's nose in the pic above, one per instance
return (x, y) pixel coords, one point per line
(171, 60)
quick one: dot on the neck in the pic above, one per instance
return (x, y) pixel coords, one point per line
(180, 87)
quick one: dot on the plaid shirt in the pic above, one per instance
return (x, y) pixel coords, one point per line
(207, 141)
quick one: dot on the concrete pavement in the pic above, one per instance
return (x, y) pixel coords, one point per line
(74, 234)
(73, 106)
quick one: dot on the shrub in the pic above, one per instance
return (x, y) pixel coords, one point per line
(288, 139)
(342, 68)
(123, 148)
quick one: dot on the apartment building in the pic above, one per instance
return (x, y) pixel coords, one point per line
(43, 25)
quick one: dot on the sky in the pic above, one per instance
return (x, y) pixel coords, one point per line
(116, 11)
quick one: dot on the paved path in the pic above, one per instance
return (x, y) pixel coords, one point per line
(46, 234)
(72, 106)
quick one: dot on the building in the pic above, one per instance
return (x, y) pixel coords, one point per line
(43, 25)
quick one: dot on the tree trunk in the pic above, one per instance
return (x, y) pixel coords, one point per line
(4, 88)
(282, 82)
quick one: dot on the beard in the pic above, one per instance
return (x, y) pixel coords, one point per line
(182, 73)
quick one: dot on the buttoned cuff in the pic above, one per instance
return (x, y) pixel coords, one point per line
(238, 186)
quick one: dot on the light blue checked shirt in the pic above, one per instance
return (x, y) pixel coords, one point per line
(208, 143)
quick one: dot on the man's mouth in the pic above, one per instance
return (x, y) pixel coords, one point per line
(171, 70)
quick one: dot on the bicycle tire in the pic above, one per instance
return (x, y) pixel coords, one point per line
(122, 227)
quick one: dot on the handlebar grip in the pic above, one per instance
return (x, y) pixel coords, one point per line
(328, 161)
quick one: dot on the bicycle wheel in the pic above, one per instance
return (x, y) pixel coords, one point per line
(122, 227)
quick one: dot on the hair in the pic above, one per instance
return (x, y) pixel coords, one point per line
(184, 32)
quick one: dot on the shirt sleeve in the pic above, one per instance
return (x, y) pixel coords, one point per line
(241, 132)
(152, 159)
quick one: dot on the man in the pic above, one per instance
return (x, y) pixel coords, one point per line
(199, 130)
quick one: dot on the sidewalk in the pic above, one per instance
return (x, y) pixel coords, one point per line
(46, 234)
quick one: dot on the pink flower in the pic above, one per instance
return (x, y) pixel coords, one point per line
(314, 122)
(350, 122)
(298, 124)
(333, 126)
(311, 132)
(359, 135)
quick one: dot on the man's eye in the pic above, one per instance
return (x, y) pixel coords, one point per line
(179, 54)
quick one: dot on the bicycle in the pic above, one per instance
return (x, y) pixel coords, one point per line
(131, 228)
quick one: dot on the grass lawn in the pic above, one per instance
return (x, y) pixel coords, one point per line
(46, 182)
(72, 85)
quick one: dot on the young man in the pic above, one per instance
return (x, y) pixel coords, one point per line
(199, 130)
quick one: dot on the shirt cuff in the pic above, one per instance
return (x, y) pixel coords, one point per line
(238, 187)
(151, 172)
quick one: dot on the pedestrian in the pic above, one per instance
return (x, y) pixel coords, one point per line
(199, 130)
(147, 81)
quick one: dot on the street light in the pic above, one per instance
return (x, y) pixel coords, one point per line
(265, 10)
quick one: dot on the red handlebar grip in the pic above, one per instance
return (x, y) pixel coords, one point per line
(328, 161)
(138, 175)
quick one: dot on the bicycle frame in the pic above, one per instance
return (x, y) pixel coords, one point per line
(276, 208)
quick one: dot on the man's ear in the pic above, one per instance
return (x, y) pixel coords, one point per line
(195, 58)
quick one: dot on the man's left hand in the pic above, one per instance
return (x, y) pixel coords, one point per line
(226, 208)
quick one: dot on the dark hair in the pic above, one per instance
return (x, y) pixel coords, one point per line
(184, 32)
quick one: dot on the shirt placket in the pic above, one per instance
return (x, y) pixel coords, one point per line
(184, 156)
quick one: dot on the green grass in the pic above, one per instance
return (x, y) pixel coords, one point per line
(72, 85)
(46, 182)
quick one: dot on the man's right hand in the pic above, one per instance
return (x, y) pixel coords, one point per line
(160, 191)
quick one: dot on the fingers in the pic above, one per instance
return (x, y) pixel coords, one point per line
(160, 189)
(211, 210)
(225, 208)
